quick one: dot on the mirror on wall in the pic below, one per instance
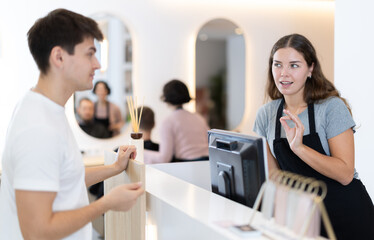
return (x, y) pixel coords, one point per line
(220, 73)
(102, 111)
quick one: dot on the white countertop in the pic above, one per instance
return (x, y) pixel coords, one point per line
(196, 173)
(170, 184)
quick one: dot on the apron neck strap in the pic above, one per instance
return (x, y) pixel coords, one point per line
(277, 122)
(312, 124)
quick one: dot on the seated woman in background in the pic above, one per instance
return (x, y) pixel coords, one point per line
(106, 112)
(183, 135)
(147, 123)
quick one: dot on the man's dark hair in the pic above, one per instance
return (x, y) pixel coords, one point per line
(62, 28)
(147, 122)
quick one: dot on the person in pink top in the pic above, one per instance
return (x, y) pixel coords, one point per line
(183, 135)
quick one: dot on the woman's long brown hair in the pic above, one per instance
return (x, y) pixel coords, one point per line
(318, 87)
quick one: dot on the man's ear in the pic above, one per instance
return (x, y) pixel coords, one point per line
(56, 57)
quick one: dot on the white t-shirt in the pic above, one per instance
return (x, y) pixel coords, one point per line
(41, 154)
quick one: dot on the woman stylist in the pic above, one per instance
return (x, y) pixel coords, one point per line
(309, 130)
(106, 112)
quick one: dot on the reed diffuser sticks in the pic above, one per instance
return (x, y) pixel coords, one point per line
(134, 113)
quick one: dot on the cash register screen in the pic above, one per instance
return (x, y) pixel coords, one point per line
(238, 165)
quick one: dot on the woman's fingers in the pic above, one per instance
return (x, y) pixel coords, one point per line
(293, 118)
(295, 134)
(286, 118)
(284, 123)
(290, 132)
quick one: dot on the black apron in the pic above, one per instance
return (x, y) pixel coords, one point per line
(103, 121)
(350, 208)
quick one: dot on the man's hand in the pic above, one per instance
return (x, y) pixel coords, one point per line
(125, 152)
(38, 221)
(100, 173)
(123, 197)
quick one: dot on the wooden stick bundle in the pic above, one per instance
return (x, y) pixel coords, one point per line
(134, 114)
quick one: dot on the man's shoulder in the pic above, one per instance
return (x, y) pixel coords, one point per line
(33, 102)
(33, 113)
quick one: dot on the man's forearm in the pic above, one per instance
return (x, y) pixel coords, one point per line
(65, 223)
(38, 221)
(100, 173)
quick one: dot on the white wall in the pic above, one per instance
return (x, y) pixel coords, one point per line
(235, 85)
(210, 60)
(354, 39)
(164, 35)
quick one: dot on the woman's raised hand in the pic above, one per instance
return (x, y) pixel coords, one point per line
(294, 135)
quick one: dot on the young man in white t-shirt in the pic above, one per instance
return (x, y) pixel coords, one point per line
(44, 181)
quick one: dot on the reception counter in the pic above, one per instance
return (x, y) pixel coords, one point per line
(180, 204)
